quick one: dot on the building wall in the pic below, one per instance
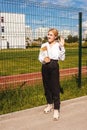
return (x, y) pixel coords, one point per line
(12, 34)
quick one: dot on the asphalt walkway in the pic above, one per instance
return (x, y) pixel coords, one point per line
(73, 116)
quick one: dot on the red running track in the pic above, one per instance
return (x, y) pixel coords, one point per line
(32, 77)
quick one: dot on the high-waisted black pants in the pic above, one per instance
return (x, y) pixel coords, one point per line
(50, 76)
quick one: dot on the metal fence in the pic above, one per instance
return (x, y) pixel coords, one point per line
(23, 28)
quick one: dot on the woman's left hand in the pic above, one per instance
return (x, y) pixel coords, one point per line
(61, 41)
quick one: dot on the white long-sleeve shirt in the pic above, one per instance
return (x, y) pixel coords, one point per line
(55, 52)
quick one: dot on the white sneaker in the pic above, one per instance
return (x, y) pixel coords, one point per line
(48, 108)
(56, 115)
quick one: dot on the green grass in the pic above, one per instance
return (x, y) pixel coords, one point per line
(19, 61)
(22, 61)
(71, 89)
(31, 96)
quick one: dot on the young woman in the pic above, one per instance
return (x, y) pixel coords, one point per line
(50, 53)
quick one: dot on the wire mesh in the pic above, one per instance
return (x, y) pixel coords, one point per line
(23, 28)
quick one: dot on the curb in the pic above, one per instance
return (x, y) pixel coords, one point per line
(22, 112)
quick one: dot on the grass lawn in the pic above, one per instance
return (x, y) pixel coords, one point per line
(20, 61)
(31, 96)
(25, 61)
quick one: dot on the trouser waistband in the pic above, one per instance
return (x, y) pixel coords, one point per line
(54, 60)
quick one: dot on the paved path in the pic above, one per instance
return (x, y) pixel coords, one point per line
(73, 117)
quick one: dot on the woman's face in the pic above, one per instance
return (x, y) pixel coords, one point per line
(51, 37)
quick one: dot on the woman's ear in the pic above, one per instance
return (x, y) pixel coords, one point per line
(56, 38)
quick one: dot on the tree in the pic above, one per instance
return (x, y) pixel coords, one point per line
(45, 39)
(71, 39)
(74, 38)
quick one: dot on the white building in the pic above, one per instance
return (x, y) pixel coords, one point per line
(41, 32)
(28, 32)
(65, 33)
(85, 34)
(12, 30)
(28, 35)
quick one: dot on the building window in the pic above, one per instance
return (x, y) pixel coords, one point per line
(2, 29)
(2, 37)
(2, 19)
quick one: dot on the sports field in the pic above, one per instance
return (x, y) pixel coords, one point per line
(22, 61)
(22, 65)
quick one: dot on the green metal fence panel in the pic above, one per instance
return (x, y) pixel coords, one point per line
(80, 49)
(23, 29)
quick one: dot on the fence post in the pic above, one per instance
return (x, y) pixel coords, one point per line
(80, 49)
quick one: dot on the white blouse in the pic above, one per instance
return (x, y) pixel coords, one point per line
(55, 52)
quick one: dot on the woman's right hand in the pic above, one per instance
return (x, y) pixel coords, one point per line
(46, 59)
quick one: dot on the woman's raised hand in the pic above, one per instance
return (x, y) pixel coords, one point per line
(61, 41)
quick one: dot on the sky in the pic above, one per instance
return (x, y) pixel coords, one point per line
(61, 14)
(69, 3)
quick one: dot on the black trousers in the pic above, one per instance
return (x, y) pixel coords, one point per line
(50, 76)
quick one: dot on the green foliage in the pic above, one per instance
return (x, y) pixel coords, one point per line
(71, 39)
(84, 45)
(71, 90)
(44, 40)
(31, 96)
(71, 45)
(21, 98)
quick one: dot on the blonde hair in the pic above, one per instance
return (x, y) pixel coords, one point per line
(55, 32)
